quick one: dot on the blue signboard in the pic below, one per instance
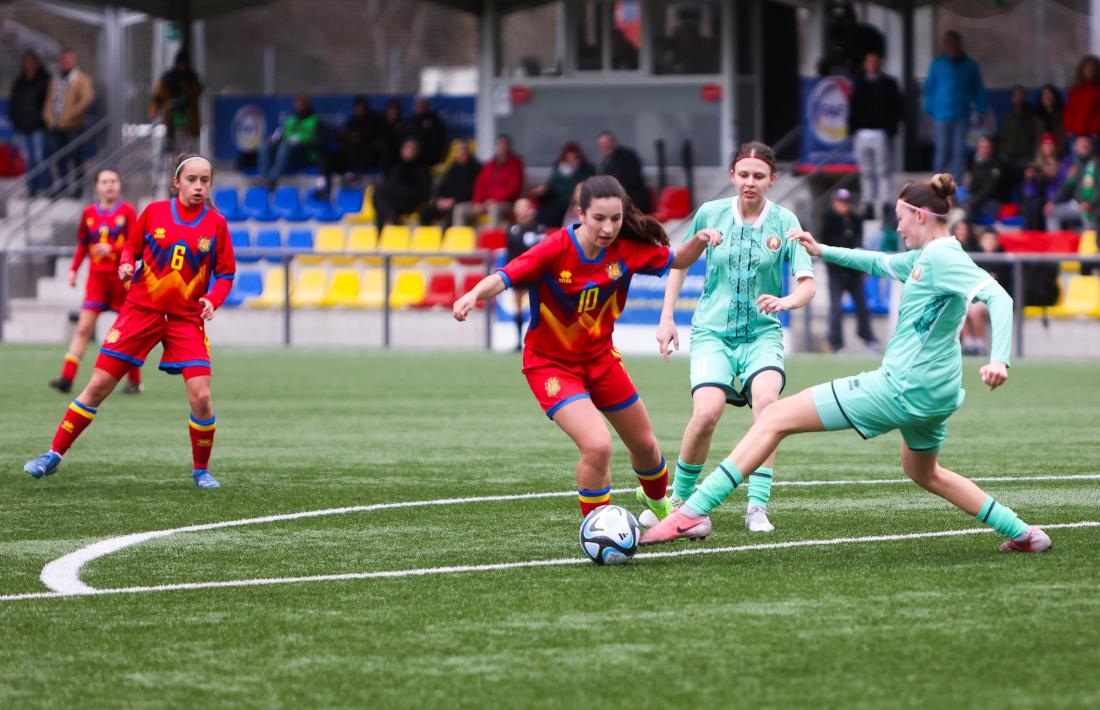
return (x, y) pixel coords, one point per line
(825, 120)
(241, 123)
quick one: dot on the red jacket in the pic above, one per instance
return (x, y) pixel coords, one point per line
(500, 183)
(1082, 114)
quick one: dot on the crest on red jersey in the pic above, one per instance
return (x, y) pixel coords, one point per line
(552, 386)
(614, 270)
(119, 221)
(204, 244)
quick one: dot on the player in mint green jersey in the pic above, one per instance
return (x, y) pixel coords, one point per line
(736, 338)
(918, 386)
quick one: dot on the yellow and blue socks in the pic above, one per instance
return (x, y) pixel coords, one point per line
(687, 475)
(590, 500)
(760, 486)
(77, 418)
(69, 367)
(1001, 518)
(716, 488)
(654, 481)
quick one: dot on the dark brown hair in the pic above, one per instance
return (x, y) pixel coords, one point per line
(754, 149)
(100, 172)
(637, 227)
(1079, 75)
(931, 195)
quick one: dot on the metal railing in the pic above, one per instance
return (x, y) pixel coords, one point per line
(284, 259)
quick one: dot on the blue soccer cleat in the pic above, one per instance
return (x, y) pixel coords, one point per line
(44, 465)
(204, 480)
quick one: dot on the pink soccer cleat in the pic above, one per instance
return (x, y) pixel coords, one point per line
(1034, 540)
(677, 525)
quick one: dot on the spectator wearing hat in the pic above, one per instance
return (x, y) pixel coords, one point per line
(841, 227)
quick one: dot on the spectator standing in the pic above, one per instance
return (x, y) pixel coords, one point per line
(952, 88)
(571, 169)
(983, 182)
(25, 105)
(429, 130)
(624, 165)
(841, 227)
(297, 142)
(498, 185)
(1078, 198)
(176, 101)
(395, 129)
(1050, 114)
(68, 99)
(1019, 135)
(456, 186)
(405, 186)
(874, 110)
(523, 234)
(1082, 115)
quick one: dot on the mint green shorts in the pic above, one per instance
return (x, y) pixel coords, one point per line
(867, 403)
(730, 366)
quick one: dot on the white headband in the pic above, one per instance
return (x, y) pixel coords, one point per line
(186, 161)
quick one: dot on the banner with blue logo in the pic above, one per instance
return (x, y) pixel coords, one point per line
(6, 129)
(825, 121)
(242, 123)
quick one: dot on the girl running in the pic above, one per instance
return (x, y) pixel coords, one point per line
(578, 279)
(101, 237)
(918, 386)
(184, 247)
(736, 338)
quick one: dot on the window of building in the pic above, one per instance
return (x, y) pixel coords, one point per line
(686, 37)
(529, 43)
(607, 35)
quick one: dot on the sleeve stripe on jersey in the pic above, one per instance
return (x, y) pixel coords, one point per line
(504, 277)
(227, 277)
(978, 289)
(808, 273)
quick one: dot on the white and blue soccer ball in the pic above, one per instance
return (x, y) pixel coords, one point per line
(609, 535)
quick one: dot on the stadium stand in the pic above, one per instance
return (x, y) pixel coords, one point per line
(257, 205)
(408, 290)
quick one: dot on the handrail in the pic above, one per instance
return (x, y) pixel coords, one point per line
(54, 159)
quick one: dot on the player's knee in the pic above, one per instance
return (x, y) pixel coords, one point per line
(763, 401)
(597, 450)
(705, 419)
(201, 404)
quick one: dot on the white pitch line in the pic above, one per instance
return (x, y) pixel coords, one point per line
(63, 574)
(392, 574)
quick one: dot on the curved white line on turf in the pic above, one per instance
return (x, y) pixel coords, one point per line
(63, 574)
(391, 574)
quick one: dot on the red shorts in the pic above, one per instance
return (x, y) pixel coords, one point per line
(603, 379)
(105, 291)
(137, 330)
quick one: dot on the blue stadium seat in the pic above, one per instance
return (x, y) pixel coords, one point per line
(257, 204)
(269, 239)
(300, 240)
(1017, 221)
(242, 239)
(247, 285)
(287, 204)
(228, 203)
(349, 200)
(320, 209)
(983, 220)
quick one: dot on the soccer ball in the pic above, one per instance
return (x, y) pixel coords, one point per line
(609, 535)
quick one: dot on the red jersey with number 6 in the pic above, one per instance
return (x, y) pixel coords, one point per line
(575, 301)
(185, 255)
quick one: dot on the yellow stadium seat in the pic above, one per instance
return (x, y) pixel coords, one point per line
(367, 214)
(1087, 246)
(309, 288)
(274, 293)
(1082, 298)
(364, 238)
(329, 241)
(343, 290)
(459, 239)
(427, 239)
(372, 289)
(408, 290)
(395, 237)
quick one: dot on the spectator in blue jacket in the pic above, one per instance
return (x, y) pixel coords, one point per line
(952, 88)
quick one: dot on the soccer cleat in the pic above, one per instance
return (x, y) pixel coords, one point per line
(44, 465)
(756, 519)
(656, 510)
(61, 385)
(204, 480)
(1034, 540)
(677, 525)
(133, 388)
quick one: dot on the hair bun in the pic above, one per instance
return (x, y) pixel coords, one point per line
(943, 184)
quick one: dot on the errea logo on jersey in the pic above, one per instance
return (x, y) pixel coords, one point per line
(565, 277)
(159, 233)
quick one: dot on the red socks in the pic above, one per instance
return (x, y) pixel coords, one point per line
(76, 419)
(202, 441)
(654, 482)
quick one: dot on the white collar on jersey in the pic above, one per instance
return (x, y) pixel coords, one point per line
(739, 222)
(932, 244)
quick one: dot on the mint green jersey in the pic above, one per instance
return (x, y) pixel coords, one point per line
(923, 360)
(747, 264)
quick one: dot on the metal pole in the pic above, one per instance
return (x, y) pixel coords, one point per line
(286, 300)
(490, 307)
(1018, 304)
(386, 264)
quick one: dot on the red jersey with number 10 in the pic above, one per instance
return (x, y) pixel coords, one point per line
(184, 254)
(575, 301)
(100, 227)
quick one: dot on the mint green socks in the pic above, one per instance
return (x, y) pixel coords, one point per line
(716, 488)
(760, 486)
(687, 475)
(1001, 518)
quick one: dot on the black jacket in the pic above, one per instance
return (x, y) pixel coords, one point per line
(875, 104)
(624, 165)
(27, 99)
(407, 183)
(458, 182)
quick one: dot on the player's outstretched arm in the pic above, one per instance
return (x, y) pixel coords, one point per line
(668, 339)
(488, 287)
(694, 246)
(802, 294)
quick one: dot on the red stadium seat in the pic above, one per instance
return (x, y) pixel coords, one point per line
(468, 282)
(673, 203)
(492, 239)
(1064, 242)
(441, 291)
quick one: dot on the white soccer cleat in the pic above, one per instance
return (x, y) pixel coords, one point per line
(648, 518)
(756, 519)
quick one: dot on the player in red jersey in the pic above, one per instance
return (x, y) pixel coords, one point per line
(101, 235)
(578, 279)
(186, 271)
